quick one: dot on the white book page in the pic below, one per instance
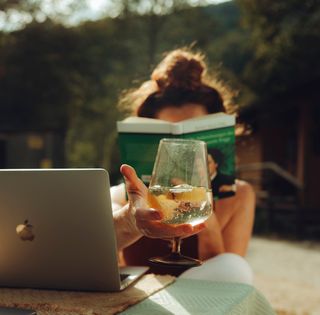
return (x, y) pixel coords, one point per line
(150, 125)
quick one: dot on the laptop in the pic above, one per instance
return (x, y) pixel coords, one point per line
(56, 231)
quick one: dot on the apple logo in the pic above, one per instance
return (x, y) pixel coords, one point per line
(25, 232)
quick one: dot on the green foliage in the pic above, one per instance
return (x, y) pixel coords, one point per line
(70, 78)
(285, 37)
(19, 13)
(36, 76)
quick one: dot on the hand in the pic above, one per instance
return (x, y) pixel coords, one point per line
(148, 220)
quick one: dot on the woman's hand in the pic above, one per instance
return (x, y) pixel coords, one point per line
(148, 220)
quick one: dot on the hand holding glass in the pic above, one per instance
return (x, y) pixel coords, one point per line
(180, 190)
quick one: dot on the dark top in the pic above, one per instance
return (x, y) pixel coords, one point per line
(220, 180)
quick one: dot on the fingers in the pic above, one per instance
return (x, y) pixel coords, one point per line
(131, 178)
(147, 214)
(157, 229)
(197, 228)
(137, 191)
(149, 220)
(127, 171)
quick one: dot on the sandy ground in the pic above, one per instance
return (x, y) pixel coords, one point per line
(288, 274)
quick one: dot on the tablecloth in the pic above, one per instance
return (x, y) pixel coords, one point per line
(53, 302)
(199, 297)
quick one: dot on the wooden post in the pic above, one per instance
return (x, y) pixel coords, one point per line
(301, 148)
(301, 167)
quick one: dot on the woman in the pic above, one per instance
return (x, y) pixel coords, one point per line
(179, 90)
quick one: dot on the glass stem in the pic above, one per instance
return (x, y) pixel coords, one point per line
(176, 242)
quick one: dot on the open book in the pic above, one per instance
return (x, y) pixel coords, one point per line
(139, 138)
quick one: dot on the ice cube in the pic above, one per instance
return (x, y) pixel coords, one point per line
(157, 190)
(182, 188)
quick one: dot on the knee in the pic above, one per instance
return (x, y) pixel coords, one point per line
(235, 268)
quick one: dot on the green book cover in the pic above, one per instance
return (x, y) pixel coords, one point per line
(139, 139)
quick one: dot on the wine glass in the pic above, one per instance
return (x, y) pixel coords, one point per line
(180, 189)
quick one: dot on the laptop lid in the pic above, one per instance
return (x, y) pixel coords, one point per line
(56, 230)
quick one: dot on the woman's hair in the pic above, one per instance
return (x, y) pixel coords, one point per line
(180, 78)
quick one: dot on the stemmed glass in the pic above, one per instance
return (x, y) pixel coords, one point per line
(180, 189)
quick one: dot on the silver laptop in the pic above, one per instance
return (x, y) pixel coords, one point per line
(56, 231)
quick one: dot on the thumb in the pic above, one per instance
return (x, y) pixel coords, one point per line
(134, 186)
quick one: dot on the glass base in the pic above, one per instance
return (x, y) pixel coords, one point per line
(177, 260)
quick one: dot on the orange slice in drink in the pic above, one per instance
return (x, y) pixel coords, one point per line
(197, 194)
(165, 205)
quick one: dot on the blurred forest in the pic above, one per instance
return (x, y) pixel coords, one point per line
(64, 77)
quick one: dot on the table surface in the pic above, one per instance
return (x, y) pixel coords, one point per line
(161, 297)
(199, 297)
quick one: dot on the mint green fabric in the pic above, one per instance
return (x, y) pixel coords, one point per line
(199, 297)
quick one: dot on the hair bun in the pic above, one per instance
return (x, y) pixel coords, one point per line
(180, 69)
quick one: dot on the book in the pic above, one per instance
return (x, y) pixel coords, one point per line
(139, 139)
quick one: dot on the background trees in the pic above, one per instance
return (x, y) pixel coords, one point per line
(55, 74)
(284, 36)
